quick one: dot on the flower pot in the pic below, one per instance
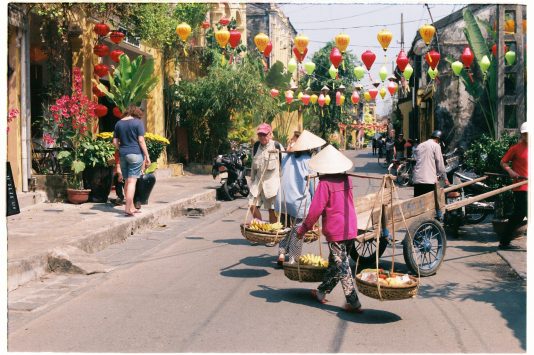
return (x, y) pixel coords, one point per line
(99, 180)
(144, 187)
(78, 196)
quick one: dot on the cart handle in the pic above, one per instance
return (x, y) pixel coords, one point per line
(505, 175)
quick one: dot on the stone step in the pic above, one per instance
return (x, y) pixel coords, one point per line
(29, 199)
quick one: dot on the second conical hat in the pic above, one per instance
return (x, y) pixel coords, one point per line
(307, 141)
(330, 161)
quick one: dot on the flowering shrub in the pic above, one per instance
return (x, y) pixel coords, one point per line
(68, 124)
(155, 145)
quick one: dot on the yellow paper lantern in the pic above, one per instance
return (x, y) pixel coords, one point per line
(222, 37)
(261, 40)
(384, 37)
(301, 43)
(367, 96)
(427, 32)
(327, 100)
(183, 30)
(382, 92)
(342, 42)
(313, 99)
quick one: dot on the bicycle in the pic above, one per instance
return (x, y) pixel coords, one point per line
(405, 172)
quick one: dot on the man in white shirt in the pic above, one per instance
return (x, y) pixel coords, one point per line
(429, 165)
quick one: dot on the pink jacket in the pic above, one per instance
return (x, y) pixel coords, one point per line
(333, 200)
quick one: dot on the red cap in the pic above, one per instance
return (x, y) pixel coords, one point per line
(264, 128)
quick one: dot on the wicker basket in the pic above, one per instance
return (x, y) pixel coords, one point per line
(388, 293)
(311, 236)
(304, 273)
(263, 237)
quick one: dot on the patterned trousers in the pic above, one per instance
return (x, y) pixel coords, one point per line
(339, 270)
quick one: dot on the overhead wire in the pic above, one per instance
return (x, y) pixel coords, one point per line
(346, 17)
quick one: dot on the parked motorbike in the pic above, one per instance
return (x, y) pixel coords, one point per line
(231, 170)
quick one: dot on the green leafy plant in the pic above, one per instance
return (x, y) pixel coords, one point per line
(131, 83)
(155, 145)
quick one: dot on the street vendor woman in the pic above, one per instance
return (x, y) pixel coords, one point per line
(333, 200)
(518, 156)
(265, 173)
(295, 193)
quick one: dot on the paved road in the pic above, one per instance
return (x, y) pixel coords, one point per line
(195, 285)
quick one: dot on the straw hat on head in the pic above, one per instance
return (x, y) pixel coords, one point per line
(307, 141)
(330, 161)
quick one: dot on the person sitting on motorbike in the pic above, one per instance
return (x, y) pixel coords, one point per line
(400, 143)
(296, 193)
(265, 173)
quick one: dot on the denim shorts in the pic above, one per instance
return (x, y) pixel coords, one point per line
(131, 165)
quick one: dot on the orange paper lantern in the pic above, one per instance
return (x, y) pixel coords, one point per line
(183, 30)
(427, 33)
(342, 42)
(384, 38)
(222, 37)
(261, 40)
(301, 43)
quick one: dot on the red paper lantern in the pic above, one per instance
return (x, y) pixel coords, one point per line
(224, 21)
(101, 50)
(432, 58)
(117, 112)
(298, 55)
(116, 37)
(101, 70)
(402, 61)
(392, 88)
(274, 93)
(97, 92)
(467, 57)
(368, 58)
(335, 57)
(235, 38)
(268, 49)
(355, 98)
(101, 110)
(494, 49)
(101, 29)
(373, 92)
(206, 25)
(115, 55)
(305, 99)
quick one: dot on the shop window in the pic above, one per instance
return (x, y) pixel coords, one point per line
(510, 116)
(510, 84)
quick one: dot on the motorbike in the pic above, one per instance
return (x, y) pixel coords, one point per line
(232, 172)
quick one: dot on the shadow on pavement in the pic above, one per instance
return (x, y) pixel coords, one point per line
(245, 273)
(263, 260)
(303, 297)
(240, 241)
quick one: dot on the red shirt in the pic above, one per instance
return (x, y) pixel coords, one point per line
(518, 155)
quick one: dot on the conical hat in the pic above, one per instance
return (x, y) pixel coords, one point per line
(307, 141)
(330, 161)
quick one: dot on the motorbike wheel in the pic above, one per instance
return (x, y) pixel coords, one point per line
(244, 191)
(367, 252)
(403, 175)
(425, 249)
(474, 215)
(228, 196)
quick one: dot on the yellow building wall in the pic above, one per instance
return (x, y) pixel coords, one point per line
(14, 138)
(405, 109)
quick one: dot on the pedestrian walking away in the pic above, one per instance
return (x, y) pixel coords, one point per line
(295, 192)
(333, 200)
(400, 144)
(129, 140)
(518, 156)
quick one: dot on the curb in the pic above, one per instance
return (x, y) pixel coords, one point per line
(32, 267)
(509, 260)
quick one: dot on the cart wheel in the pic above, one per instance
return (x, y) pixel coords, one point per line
(426, 248)
(367, 251)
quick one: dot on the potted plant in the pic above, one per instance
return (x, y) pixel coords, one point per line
(97, 154)
(155, 145)
(484, 155)
(68, 122)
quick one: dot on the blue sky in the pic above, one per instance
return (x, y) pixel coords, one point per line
(362, 22)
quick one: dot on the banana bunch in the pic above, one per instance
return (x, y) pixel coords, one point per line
(314, 260)
(258, 225)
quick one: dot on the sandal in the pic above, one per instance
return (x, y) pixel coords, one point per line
(351, 309)
(315, 295)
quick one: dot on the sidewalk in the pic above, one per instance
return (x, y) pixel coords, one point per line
(47, 228)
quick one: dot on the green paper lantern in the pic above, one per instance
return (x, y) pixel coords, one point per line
(309, 67)
(484, 64)
(292, 65)
(359, 72)
(408, 71)
(432, 73)
(383, 73)
(510, 57)
(457, 67)
(332, 71)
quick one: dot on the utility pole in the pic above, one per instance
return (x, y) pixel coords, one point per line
(402, 31)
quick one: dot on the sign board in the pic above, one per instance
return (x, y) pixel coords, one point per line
(12, 206)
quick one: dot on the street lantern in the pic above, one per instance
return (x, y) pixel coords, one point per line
(274, 93)
(332, 71)
(402, 60)
(183, 30)
(467, 57)
(300, 56)
(382, 92)
(427, 33)
(222, 36)
(321, 100)
(335, 57)
(484, 64)
(432, 73)
(408, 71)
(510, 57)
(235, 38)
(432, 58)
(342, 42)
(355, 98)
(392, 88)
(313, 99)
(384, 38)
(359, 72)
(383, 73)
(368, 58)
(268, 49)
(261, 40)
(457, 67)
(301, 43)
(373, 92)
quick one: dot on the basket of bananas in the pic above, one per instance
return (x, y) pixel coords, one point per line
(308, 268)
(384, 285)
(264, 232)
(312, 235)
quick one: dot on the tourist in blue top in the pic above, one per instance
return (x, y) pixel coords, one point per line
(294, 198)
(129, 140)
